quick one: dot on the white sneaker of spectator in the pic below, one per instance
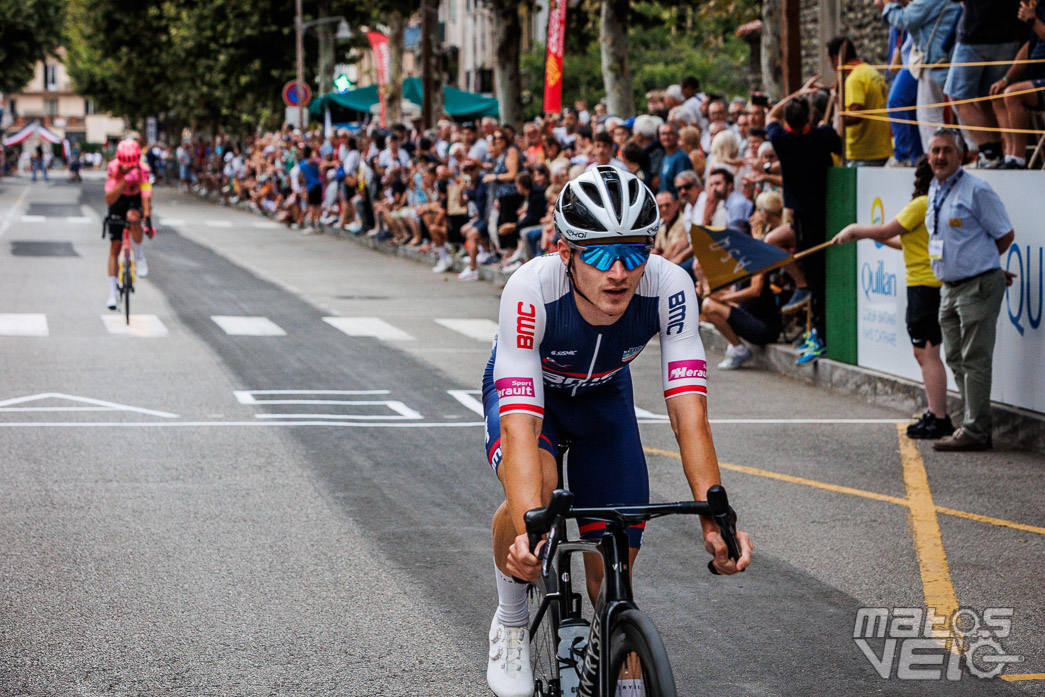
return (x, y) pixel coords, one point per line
(444, 264)
(468, 275)
(735, 357)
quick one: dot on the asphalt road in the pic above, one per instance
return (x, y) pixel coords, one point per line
(187, 510)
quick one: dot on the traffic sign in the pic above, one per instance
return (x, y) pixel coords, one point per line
(295, 92)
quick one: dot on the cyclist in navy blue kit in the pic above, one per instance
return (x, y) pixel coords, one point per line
(570, 324)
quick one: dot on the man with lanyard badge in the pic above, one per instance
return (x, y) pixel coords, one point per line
(968, 231)
(570, 324)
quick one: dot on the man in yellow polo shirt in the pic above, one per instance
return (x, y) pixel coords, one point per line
(868, 142)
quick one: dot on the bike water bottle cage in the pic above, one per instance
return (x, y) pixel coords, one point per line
(603, 256)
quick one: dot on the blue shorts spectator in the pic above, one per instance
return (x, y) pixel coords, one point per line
(966, 82)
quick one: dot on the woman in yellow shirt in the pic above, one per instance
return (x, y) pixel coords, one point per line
(907, 232)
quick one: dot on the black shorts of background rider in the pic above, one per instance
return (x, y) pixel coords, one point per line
(119, 209)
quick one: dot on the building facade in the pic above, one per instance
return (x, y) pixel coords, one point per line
(51, 99)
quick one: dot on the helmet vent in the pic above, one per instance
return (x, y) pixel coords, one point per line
(593, 192)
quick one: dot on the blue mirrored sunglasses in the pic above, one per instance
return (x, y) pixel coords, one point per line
(603, 256)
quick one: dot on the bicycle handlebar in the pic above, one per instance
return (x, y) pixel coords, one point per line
(539, 520)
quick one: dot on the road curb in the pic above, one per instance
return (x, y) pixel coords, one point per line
(1012, 426)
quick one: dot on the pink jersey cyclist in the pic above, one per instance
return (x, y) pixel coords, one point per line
(136, 181)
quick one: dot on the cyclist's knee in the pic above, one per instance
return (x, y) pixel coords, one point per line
(133, 216)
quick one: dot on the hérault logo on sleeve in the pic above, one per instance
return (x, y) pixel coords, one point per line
(687, 370)
(514, 387)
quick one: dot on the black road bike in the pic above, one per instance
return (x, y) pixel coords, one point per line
(125, 276)
(620, 652)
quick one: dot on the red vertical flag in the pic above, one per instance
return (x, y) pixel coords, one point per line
(379, 44)
(553, 59)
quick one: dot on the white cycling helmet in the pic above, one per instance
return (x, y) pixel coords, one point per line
(603, 203)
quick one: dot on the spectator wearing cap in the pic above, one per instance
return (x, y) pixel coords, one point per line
(1012, 110)
(621, 135)
(969, 229)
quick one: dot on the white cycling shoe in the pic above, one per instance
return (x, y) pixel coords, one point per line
(508, 671)
(111, 302)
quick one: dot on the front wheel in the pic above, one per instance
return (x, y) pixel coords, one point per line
(638, 661)
(544, 638)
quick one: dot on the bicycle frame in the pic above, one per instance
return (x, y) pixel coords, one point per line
(615, 592)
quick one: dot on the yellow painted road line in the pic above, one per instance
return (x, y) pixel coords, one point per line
(993, 521)
(1025, 676)
(925, 529)
(873, 495)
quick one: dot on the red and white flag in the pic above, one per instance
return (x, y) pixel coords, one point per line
(379, 44)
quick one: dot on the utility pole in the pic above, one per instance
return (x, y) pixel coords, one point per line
(299, 31)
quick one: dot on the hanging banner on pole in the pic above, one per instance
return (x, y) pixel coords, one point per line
(553, 57)
(379, 44)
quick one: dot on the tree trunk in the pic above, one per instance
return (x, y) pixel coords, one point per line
(616, 75)
(507, 83)
(772, 49)
(394, 89)
(432, 68)
(325, 35)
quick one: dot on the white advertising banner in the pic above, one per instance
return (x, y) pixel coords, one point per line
(882, 341)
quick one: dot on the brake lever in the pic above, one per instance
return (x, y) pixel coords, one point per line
(727, 525)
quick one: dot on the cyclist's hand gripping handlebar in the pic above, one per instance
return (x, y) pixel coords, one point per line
(726, 518)
(539, 520)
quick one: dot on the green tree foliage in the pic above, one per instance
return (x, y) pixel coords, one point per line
(193, 62)
(29, 30)
(666, 44)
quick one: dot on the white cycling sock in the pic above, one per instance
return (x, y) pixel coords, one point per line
(114, 287)
(137, 247)
(511, 601)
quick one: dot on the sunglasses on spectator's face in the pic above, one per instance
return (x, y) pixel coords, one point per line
(685, 187)
(604, 256)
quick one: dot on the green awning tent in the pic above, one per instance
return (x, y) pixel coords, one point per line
(457, 103)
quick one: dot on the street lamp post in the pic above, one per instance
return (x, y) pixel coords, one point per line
(343, 32)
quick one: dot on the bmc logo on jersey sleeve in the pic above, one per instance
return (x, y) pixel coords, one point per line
(687, 370)
(514, 387)
(525, 326)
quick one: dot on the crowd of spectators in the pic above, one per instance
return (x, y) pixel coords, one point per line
(484, 191)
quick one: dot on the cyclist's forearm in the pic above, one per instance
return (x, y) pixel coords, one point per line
(147, 207)
(689, 421)
(112, 196)
(520, 470)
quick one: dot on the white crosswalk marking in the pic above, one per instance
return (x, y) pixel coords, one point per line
(266, 225)
(23, 324)
(82, 219)
(34, 219)
(480, 329)
(368, 326)
(148, 326)
(217, 223)
(170, 222)
(248, 326)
